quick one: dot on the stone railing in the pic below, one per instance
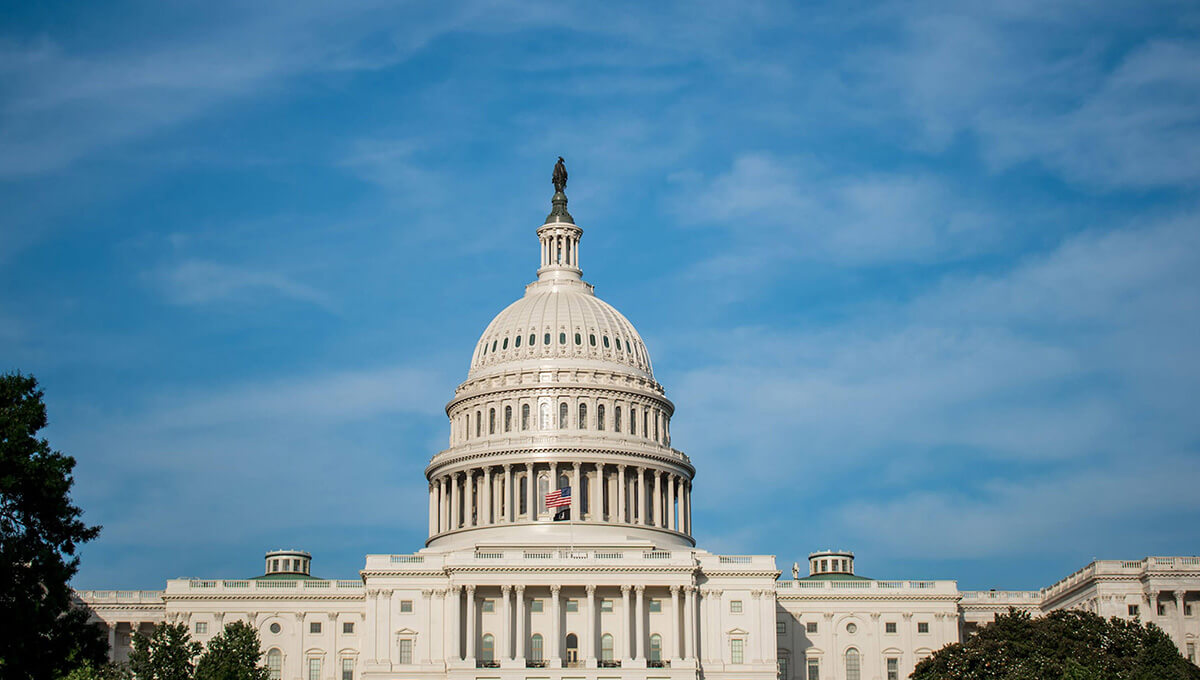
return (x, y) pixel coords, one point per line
(1149, 565)
(120, 596)
(1002, 597)
(505, 557)
(557, 439)
(215, 586)
(813, 587)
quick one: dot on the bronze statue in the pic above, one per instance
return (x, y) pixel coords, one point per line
(560, 175)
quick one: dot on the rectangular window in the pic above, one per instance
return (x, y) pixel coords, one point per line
(893, 669)
(1162, 610)
(406, 651)
(348, 669)
(201, 627)
(780, 628)
(655, 605)
(735, 651)
(1133, 610)
(922, 626)
(488, 606)
(535, 606)
(735, 606)
(606, 605)
(347, 627)
(572, 605)
(1187, 610)
(314, 627)
(890, 627)
(810, 627)
(406, 606)
(1191, 652)
(814, 669)
(314, 669)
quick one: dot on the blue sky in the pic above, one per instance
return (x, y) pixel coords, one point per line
(922, 278)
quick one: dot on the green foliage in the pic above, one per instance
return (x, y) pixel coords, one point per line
(42, 636)
(106, 671)
(1064, 645)
(233, 654)
(168, 654)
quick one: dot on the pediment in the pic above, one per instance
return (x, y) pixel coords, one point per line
(737, 631)
(406, 631)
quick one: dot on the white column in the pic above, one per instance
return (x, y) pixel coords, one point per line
(689, 623)
(557, 649)
(639, 502)
(112, 640)
(531, 482)
(656, 499)
(471, 623)
(455, 626)
(486, 516)
(510, 496)
(639, 620)
(1180, 634)
(393, 609)
(432, 509)
(626, 650)
(427, 646)
(371, 652)
(589, 646)
(472, 515)
(621, 490)
(673, 489)
(504, 639)
(519, 648)
(576, 492)
(676, 625)
(455, 510)
(687, 494)
(596, 497)
(444, 505)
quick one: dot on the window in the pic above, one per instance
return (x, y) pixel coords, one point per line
(487, 606)
(780, 628)
(347, 669)
(632, 420)
(406, 646)
(491, 421)
(1191, 652)
(201, 627)
(543, 489)
(617, 419)
(275, 664)
(314, 669)
(606, 647)
(406, 606)
(562, 415)
(781, 666)
(535, 645)
(583, 416)
(890, 627)
(488, 651)
(314, 627)
(572, 605)
(546, 339)
(1187, 610)
(504, 345)
(851, 628)
(494, 345)
(735, 607)
(508, 419)
(532, 339)
(814, 669)
(893, 669)
(655, 605)
(922, 626)
(592, 339)
(518, 342)
(735, 651)
(578, 339)
(853, 666)
(606, 342)
(347, 628)
(656, 647)
(1133, 610)
(562, 338)
(810, 627)
(536, 606)
(275, 628)
(656, 418)
(1162, 609)
(606, 605)
(478, 425)
(600, 425)
(524, 416)
(544, 411)
(618, 343)
(646, 423)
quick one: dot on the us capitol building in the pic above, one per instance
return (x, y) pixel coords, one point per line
(560, 394)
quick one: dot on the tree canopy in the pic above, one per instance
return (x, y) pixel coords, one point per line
(1063, 645)
(169, 653)
(233, 655)
(41, 635)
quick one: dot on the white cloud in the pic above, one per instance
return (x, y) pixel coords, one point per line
(196, 282)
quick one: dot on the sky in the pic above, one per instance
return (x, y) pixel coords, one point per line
(921, 278)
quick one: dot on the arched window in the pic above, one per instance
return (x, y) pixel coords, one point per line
(523, 501)
(606, 342)
(562, 415)
(532, 339)
(853, 668)
(617, 419)
(578, 339)
(543, 489)
(656, 417)
(478, 424)
(491, 421)
(583, 416)
(535, 648)
(655, 653)
(606, 647)
(487, 650)
(618, 344)
(562, 338)
(508, 419)
(600, 416)
(504, 345)
(468, 416)
(518, 342)
(544, 416)
(494, 345)
(572, 649)
(275, 664)
(632, 420)
(546, 339)
(524, 416)
(646, 423)
(592, 339)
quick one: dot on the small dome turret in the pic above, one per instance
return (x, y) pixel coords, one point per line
(287, 563)
(839, 562)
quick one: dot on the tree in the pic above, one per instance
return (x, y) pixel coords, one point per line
(169, 653)
(107, 671)
(234, 654)
(1063, 645)
(41, 635)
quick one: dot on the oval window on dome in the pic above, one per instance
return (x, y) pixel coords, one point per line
(592, 339)
(493, 345)
(532, 339)
(618, 344)
(606, 342)
(562, 338)
(578, 339)
(518, 342)
(546, 339)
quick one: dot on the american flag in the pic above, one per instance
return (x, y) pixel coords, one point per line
(559, 498)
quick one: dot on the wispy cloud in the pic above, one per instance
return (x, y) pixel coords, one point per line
(197, 282)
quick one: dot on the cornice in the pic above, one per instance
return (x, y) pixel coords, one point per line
(559, 389)
(553, 453)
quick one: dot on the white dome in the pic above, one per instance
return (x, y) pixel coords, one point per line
(560, 322)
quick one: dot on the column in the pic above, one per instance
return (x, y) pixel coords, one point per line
(673, 489)
(427, 647)
(639, 504)
(444, 518)
(503, 641)
(689, 623)
(687, 516)
(112, 640)
(519, 646)
(656, 499)
(454, 509)
(510, 497)
(621, 488)
(393, 609)
(1180, 635)
(589, 646)
(626, 650)
(486, 506)
(455, 627)
(677, 625)
(471, 623)
(596, 497)
(470, 512)
(639, 619)
(531, 482)
(576, 492)
(557, 648)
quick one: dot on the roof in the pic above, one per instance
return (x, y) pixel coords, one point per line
(286, 577)
(836, 577)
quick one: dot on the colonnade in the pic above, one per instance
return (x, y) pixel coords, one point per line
(601, 492)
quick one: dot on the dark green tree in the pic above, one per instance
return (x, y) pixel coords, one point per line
(233, 654)
(106, 671)
(41, 635)
(169, 653)
(1063, 645)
